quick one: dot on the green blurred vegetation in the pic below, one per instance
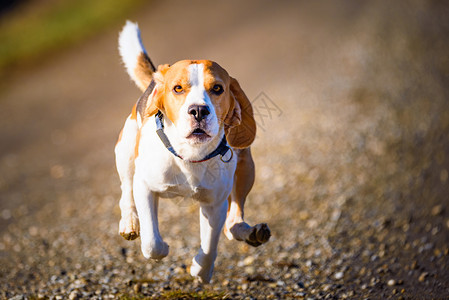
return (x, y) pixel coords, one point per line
(42, 27)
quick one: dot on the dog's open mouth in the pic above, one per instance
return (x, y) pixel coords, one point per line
(198, 131)
(199, 135)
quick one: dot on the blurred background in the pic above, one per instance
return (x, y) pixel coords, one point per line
(351, 100)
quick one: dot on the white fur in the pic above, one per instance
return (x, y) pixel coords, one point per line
(178, 132)
(130, 47)
(158, 173)
(199, 96)
(212, 219)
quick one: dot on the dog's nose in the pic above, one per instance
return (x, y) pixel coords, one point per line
(199, 112)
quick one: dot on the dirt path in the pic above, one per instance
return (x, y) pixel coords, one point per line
(351, 156)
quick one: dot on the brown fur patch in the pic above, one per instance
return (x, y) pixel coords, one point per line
(143, 71)
(134, 113)
(136, 148)
(243, 135)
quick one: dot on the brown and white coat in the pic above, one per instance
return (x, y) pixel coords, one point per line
(200, 104)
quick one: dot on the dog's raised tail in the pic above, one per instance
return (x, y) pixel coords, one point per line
(134, 56)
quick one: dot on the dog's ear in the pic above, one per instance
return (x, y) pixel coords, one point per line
(159, 76)
(156, 98)
(134, 56)
(240, 126)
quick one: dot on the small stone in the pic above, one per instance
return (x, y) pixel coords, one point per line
(268, 262)
(362, 271)
(423, 276)
(280, 283)
(391, 282)
(405, 227)
(373, 281)
(311, 224)
(248, 260)
(74, 295)
(250, 270)
(129, 260)
(339, 275)
(435, 230)
(6, 214)
(437, 210)
(137, 288)
(33, 230)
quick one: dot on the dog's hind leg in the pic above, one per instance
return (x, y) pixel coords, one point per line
(235, 226)
(125, 155)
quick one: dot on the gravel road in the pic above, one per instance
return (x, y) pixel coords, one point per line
(352, 157)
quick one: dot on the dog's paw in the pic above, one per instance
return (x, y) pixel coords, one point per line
(227, 232)
(260, 234)
(156, 249)
(129, 227)
(204, 274)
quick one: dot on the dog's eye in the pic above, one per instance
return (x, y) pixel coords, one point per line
(217, 89)
(178, 89)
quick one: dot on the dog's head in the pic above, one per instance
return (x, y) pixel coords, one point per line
(200, 98)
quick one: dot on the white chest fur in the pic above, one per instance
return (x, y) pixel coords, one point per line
(170, 176)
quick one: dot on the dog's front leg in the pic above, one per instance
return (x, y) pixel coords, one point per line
(147, 204)
(212, 219)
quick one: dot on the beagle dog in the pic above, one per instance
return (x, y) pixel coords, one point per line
(189, 134)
